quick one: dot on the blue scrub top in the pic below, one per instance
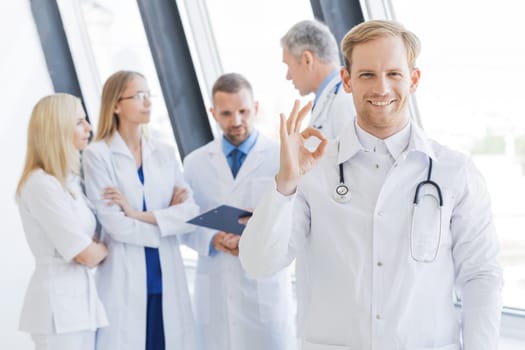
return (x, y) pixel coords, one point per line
(153, 270)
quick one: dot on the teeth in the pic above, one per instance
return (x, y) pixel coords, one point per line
(379, 103)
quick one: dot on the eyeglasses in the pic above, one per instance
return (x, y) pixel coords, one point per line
(139, 96)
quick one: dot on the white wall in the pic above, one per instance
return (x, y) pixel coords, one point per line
(24, 81)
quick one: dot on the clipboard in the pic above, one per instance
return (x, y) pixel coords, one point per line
(223, 218)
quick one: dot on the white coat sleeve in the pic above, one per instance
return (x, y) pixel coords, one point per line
(479, 278)
(274, 233)
(172, 220)
(113, 220)
(48, 203)
(200, 238)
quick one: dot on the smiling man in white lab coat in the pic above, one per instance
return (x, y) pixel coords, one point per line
(372, 272)
(234, 311)
(310, 52)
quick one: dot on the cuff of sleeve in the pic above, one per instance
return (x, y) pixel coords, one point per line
(77, 249)
(168, 225)
(281, 198)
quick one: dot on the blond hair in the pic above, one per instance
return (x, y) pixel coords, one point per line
(371, 30)
(111, 94)
(50, 135)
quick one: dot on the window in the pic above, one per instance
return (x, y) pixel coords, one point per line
(248, 37)
(118, 41)
(469, 98)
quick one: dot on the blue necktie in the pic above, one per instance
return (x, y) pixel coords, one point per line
(235, 156)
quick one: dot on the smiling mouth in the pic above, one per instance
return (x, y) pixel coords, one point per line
(381, 103)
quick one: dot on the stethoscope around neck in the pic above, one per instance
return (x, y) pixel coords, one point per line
(342, 194)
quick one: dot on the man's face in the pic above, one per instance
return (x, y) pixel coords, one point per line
(381, 82)
(235, 113)
(298, 72)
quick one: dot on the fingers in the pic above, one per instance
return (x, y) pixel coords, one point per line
(244, 220)
(290, 123)
(112, 195)
(180, 195)
(293, 124)
(321, 147)
(283, 129)
(302, 113)
(226, 242)
(231, 241)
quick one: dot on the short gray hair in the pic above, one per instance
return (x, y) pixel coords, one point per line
(313, 36)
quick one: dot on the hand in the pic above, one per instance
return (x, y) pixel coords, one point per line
(113, 195)
(244, 219)
(226, 243)
(296, 159)
(180, 195)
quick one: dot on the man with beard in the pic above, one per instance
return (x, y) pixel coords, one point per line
(233, 310)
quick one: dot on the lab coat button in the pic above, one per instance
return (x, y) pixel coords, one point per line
(378, 316)
(379, 263)
(380, 213)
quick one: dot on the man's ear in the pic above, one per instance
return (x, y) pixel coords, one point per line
(212, 111)
(345, 78)
(256, 106)
(415, 76)
(308, 58)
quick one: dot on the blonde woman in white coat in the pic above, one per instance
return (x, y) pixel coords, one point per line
(61, 308)
(142, 283)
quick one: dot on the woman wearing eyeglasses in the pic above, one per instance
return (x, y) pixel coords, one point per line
(61, 308)
(142, 203)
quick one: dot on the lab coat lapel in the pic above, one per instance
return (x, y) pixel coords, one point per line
(125, 170)
(118, 146)
(219, 163)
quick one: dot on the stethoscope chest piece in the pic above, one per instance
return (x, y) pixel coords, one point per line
(342, 193)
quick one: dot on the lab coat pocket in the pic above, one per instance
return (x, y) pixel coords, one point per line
(306, 345)
(202, 302)
(70, 299)
(427, 226)
(270, 296)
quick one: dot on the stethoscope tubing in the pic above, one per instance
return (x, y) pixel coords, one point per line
(342, 195)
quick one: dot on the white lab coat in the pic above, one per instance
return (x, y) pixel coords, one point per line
(234, 311)
(333, 112)
(122, 276)
(358, 287)
(61, 297)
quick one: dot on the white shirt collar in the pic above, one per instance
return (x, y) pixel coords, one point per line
(393, 145)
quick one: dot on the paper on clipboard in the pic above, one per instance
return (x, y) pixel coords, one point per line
(223, 218)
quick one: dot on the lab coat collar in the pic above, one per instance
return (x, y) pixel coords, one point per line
(118, 145)
(251, 163)
(349, 144)
(419, 142)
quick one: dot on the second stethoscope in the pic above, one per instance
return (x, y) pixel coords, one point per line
(342, 194)
(325, 108)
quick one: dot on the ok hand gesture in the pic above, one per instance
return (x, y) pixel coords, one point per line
(296, 159)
